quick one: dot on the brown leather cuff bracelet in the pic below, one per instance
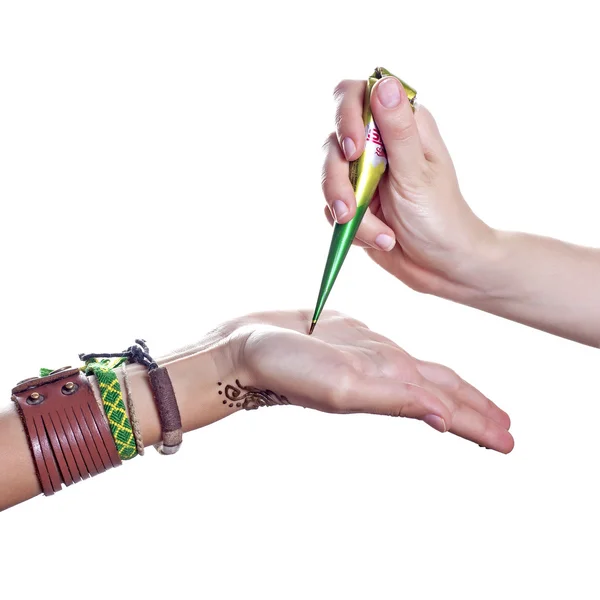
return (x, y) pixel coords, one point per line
(68, 432)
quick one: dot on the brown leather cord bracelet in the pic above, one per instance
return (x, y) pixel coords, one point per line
(68, 432)
(162, 391)
(168, 411)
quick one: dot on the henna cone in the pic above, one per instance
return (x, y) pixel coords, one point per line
(365, 174)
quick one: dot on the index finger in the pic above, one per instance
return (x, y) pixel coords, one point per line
(350, 129)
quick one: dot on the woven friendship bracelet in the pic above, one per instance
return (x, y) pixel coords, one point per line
(135, 424)
(114, 407)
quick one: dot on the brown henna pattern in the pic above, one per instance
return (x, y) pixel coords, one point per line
(248, 397)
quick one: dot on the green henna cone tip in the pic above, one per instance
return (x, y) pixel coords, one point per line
(365, 174)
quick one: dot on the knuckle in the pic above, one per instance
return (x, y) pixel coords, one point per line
(325, 182)
(454, 381)
(340, 89)
(339, 118)
(329, 140)
(404, 130)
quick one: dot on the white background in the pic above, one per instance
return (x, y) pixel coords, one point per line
(184, 138)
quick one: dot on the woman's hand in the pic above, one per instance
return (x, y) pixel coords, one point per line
(419, 203)
(420, 229)
(344, 367)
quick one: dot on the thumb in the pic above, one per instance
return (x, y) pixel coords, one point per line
(395, 120)
(384, 396)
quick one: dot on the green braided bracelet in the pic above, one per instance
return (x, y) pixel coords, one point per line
(114, 407)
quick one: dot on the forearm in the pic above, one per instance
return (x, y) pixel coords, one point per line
(541, 282)
(195, 374)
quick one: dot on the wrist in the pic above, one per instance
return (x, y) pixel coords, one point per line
(470, 273)
(486, 274)
(195, 375)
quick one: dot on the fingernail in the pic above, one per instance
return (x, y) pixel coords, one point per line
(388, 92)
(349, 148)
(340, 210)
(436, 422)
(384, 241)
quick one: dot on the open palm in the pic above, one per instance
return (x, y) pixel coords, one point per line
(344, 367)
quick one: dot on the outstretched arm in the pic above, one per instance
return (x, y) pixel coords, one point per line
(267, 358)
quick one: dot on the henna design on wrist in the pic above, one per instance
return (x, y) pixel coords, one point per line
(248, 397)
